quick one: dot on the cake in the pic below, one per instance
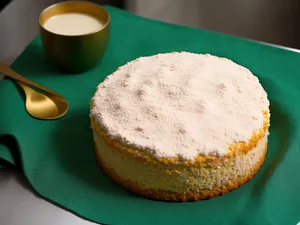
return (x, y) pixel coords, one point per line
(180, 126)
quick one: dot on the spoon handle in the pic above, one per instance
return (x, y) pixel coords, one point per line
(7, 71)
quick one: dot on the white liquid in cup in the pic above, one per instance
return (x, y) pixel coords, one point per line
(72, 24)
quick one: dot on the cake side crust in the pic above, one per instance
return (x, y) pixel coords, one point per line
(163, 195)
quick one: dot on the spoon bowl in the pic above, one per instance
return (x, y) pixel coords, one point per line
(46, 106)
(43, 106)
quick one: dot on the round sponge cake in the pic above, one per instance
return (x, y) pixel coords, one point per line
(180, 126)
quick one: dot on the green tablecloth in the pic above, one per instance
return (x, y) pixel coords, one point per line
(58, 158)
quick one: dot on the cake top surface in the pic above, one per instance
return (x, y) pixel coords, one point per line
(180, 104)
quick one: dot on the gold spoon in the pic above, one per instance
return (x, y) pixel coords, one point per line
(42, 106)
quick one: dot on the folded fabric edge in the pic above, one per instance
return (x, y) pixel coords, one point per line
(6, 159)
(10, 156)
(4, 164)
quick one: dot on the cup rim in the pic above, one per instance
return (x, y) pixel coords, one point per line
(78, 35)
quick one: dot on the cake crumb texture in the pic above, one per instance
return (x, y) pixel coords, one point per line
(201, 194)
(181, 105)
(174, 177)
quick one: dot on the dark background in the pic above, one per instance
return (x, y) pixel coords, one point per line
(117, 3)
(3, 3)
(272, 21)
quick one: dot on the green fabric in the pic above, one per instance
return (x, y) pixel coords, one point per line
(58, 156)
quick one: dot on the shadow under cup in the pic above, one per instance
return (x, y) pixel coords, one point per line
(76, 53)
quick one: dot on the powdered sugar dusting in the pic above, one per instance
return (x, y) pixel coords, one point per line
(180, 104)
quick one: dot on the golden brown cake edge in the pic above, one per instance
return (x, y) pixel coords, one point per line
(176, 197)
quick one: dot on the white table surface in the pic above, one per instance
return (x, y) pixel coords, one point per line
(18, 204)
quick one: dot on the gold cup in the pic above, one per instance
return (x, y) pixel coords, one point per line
(76, 53)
